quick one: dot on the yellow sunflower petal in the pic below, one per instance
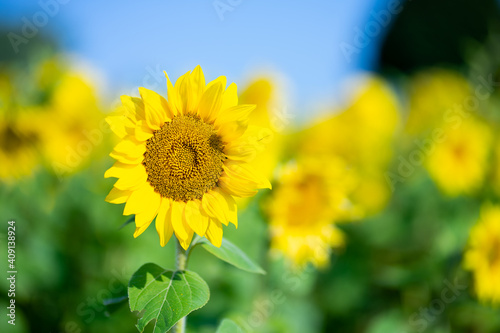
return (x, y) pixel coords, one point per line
(189, 99)
(139, 199)
(231, 209)
(176, 215)
(120, 124)
(235, 188)
(220, 80)
(144, 218)
(173, 97)
(238, 113)
(254, 135)
(183, 88)
(156, 108)
(139, 231)
(185, 242)
(243, 152)
(197, 84)
(142, 131)
(134, 107)
(230, 97)
(130, 147)
(132, 179)
(120, 169)
(232, 131)
(214, 205)
(117, 196)
(210, 102)
(242, 173)
(214, 233)
(116, 124)
(194, 217)
(124, 158)
(129, 124)
(163, 223)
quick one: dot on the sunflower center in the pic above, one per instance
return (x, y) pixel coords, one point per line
(494, 253)
(10, 141)
(309, 210)
(184, 158)
(459, 151)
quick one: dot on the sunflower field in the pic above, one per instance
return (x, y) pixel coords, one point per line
(284, 168)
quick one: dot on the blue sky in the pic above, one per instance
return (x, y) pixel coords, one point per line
(127, 40)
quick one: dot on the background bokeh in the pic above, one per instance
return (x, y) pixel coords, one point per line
(356, 93)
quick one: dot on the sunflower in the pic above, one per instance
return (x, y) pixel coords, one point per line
(19, 137)
(432, 93)
(496, 168)
(311, 195)
(362, 135)
(18, 133)
(265, 94)
(185, 159)
(482, 256)
(459, 163)
(73, 130)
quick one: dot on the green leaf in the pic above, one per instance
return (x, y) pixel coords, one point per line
(165, 295)
(230, 253)
(229, 326)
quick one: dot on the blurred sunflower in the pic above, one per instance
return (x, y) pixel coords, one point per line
(6, 90)
(432, 93)
(310, 196)
(264, 93)
(48, 73)
(459, 163)
(56, 110)
(184, 160)
(73, 118)
(496, 168)
(19, 134)
(19, 138)
(362, 135)
(482, 255)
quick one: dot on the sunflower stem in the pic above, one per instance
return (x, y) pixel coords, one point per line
(180, 256)
(180, 265)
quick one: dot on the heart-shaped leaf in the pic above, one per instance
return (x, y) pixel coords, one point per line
(232, 254)
(165, 295)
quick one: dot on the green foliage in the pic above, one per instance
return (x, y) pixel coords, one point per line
(114, 304)
(165, 295)
(231, 254)
(390, 277)
(229, 326)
